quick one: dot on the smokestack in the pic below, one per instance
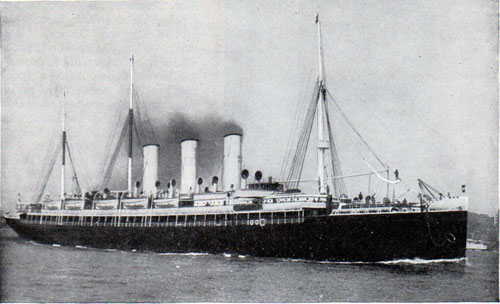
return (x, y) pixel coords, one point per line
(150, 176)
(188, 165)
(232, 161)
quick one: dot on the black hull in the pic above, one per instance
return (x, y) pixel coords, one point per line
(370, 237)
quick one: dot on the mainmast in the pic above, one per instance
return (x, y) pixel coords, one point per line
(130, 126)
(322, 143)
(63, 163)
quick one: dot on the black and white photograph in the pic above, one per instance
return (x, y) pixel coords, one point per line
(249, 151)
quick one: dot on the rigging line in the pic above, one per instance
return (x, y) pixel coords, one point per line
(86, 175)
(107, 154)
(298, 161)
(86, 179)
(144, 123)
(138, 138)
(48, 173)
(308, 136)
(309, 114)
(296, 155)
(299, 149)
(307, 124)
(138, 116)
(138, 174)
(297, 165)
(141, 170)
(432, 188)
(343, 127)
(147, 116)
(73, 167)
(111, 138)
(47, 167)
(354, 129)
(408, 187)
(292, 161)
(46, 161)
(140, 113)
(294, 130)
(335, 177)
(108, 146)
(429, 188)
(339, 184)
(114, 156)
(403, 194)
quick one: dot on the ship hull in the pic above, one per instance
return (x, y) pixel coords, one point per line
(368, 237)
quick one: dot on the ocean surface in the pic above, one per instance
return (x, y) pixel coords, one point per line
(31, 272)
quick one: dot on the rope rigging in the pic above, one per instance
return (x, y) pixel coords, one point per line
(298, 116)
(143, 131)
(111, 163)
(338, 183)
(86, 178)
(427, 195)
(78, 188)
(107, 155)
(428, 192)
(292, 169)
(334, 102)
(46, 166)
(145, 127)
(297, 163)
(47, 173)
(49, 168)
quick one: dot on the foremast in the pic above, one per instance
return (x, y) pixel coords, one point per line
(63, 157)
(130, 126)
(323, 144)
(317, 110)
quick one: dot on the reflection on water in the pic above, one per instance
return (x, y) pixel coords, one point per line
(32, 272)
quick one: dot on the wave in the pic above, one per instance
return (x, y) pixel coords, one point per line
(188, 253)
(56, 245)
(80, 247)
(416, 261)
(422, 261)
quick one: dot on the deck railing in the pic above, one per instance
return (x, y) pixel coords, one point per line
(148, 222)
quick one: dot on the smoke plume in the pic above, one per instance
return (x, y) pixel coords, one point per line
(209, 131)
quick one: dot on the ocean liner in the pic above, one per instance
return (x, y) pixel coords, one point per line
(263, 218)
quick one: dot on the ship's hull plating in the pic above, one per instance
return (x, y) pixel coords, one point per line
(368, 237)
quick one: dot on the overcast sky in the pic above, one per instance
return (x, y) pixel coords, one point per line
(418, 79)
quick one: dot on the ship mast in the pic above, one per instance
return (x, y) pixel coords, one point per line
(323, 144)
(130, 126)
(63, 162)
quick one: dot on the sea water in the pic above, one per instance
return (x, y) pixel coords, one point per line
(32, 272)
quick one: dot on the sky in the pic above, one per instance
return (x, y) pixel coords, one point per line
(418, 80)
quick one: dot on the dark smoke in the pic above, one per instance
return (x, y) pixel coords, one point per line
(209, 132)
